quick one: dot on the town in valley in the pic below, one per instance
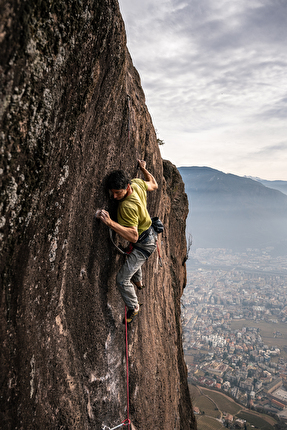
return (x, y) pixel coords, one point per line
(234, 311)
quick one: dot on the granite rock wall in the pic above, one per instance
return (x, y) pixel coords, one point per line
(71, 109)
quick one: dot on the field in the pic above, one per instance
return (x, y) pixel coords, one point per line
(207, 405)
(223, 402)
(214, 405)
(207, 423)
(256, 421)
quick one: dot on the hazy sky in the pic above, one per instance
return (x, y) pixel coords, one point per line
(214, 73)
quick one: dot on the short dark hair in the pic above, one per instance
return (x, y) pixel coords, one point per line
(117, 180)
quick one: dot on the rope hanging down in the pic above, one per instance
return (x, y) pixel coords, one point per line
(127, 369)
(112, 240)
(127, 421)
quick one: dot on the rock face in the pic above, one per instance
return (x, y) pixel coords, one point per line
(72, 109)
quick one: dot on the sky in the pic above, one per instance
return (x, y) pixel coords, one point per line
(214, 73)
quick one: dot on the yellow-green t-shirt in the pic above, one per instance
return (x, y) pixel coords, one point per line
(132, 211)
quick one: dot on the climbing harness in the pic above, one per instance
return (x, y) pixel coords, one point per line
(127, 421)
(156, 225)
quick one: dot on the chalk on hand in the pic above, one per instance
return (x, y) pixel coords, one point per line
(98, 212)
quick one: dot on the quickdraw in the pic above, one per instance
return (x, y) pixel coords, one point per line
(124, 423)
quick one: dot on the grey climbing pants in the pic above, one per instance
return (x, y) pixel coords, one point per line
(131, 270)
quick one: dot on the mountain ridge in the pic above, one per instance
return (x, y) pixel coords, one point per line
(229, 211)
(276, 184)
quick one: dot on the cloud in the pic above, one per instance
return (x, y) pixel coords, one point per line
(212, 70)
(270, 150)
(278, 110)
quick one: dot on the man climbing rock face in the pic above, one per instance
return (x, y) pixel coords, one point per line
(135, 225)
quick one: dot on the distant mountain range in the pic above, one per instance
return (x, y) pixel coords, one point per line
(229, 211)
(276, 185)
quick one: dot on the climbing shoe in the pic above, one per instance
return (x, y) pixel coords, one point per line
(141, 287)
(131, 313)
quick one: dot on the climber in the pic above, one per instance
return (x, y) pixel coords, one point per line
(135, 225)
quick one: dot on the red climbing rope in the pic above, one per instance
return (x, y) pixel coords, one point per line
(127, 421)
(127, 367)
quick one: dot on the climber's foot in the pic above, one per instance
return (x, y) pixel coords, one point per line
(131, 314)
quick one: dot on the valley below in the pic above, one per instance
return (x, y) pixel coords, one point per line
(235, 332)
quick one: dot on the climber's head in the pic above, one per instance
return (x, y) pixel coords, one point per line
(119, 184)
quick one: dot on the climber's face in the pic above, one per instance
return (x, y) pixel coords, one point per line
(121, 194)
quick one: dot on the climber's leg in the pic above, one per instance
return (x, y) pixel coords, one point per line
(131, 269)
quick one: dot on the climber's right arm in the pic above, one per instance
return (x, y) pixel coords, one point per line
(127, 233)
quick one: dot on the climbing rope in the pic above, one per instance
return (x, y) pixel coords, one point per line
(127, 369)
(112, 240)
(127, 421)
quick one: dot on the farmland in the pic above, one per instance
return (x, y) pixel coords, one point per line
(214, 406)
